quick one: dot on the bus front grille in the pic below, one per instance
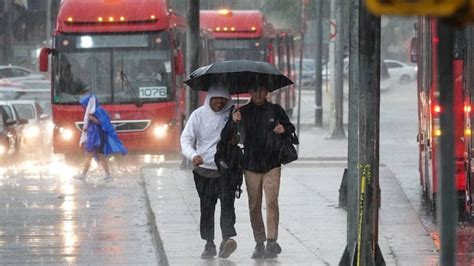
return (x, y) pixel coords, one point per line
(124, 125)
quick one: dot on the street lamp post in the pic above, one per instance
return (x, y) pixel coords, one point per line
(318, 106)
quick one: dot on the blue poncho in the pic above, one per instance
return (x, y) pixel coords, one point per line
(101, 137)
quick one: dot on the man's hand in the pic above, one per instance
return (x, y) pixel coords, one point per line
(279, 129)
(236, 116)
(197, 160)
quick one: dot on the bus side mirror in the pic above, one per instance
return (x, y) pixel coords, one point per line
(44, 59)
(179, 63)
(413, 50)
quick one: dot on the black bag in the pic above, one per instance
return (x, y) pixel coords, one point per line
(288, 151)
(228, 158)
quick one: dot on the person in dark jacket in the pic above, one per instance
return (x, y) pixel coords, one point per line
(262, 125)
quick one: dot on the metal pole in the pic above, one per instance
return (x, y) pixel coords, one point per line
(48, 21)
(318, 107)
(8, 34)
(447, 213)
(192, 51)
(338, 131)
(192, 59)
(303, 29)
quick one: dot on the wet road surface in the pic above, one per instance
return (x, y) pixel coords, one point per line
(49, 218)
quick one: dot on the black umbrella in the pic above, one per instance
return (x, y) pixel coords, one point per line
(238, 76)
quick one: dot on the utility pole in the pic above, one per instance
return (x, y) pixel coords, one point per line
(350, 184)
(304, 3)
(338, 131)
(192, 51)
(318, 106)
(364, 78)
(447, 210)
(8, 33)
(48, 21)
(192, 59)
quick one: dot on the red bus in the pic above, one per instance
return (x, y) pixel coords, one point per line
(130, 54)
(246, 34)
(425, 46)
(285, 62)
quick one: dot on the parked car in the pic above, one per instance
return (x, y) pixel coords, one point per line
(37, 134)
(39, 84)
(38, 90)
(11, 129)
(308, 78)
(16, 73)
(400, 71)
(387, 81)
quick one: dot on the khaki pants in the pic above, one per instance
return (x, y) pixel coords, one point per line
(269, 183)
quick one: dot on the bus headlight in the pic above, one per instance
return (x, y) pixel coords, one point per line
(160, 131)
(32, 132)
(66, 133)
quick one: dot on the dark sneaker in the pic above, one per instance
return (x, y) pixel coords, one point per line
(209, 251)
(273, 249)
(274, 246)
(259, 252)
(227, 247)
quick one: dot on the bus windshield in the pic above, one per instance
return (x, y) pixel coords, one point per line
(117, 68)
(234, 49)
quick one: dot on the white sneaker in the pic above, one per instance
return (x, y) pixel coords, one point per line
(107, 178)
(79, 176)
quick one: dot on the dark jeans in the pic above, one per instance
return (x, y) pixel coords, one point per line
(209, 190)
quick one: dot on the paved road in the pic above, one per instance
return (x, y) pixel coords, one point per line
(48, 218)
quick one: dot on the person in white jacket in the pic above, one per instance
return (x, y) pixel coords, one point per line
(198, 144)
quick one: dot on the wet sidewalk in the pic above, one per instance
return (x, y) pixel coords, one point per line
(48, 218)
(312, 226)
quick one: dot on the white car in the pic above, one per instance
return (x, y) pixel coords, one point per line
(401, 72)
(38, 90)
(37, 134)
(387, 81)
(16, 73)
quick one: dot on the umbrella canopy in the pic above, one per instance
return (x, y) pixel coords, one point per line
(239, 76)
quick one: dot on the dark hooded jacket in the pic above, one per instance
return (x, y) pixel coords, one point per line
(261, 144)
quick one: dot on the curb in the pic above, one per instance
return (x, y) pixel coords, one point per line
(161, 257)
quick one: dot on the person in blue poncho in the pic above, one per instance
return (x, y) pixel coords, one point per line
(99, 138)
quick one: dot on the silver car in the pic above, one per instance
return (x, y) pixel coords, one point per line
(16, 73)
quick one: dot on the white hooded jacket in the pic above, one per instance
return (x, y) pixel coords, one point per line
(202, 131)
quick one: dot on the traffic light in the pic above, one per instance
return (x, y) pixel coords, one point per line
(441, 8)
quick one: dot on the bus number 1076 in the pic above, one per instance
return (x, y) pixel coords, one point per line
(153, 92)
